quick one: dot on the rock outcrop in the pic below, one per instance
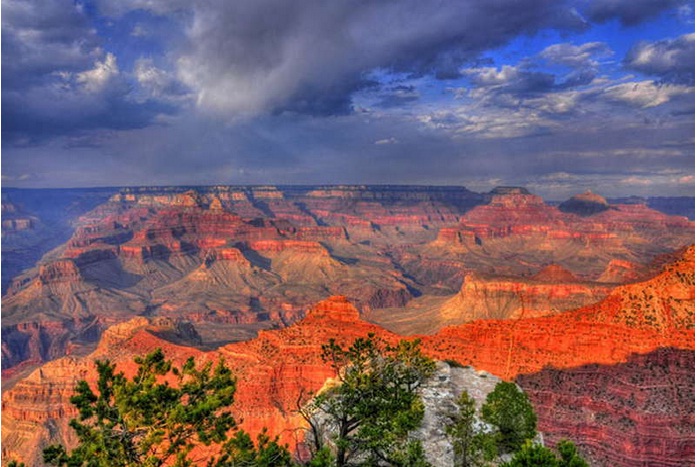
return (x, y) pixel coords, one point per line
(640, 412)
(282, 368)
(439, 395)
(504, 298)
(585, 204)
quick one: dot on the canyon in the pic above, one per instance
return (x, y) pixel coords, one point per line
(555, 297)
(569, 363)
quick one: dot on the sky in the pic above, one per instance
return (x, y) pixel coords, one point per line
(560, 96)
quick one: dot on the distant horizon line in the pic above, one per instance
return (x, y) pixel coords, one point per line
(319, 186)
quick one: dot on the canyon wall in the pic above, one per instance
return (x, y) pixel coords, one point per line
(641, 412)
(282, 368)
(225, 257)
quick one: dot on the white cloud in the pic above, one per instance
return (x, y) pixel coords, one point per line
(101, 76)
(646, 94)
(670, 59)
(583, 55)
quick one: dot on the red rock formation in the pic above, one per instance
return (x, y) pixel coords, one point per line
(556, 274)
(637, 413)
(455, 236)
(620, 271)
(58, 271)
(281, 367)
(277, 246)
(634, 318)
(514, 213)
(248, 254)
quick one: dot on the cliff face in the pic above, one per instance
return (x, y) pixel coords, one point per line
(518, 229)
(281, 369)
(275, 372)
(36, 221)
(634, 318)
(504, 298)
(255, 257)
(636, 413)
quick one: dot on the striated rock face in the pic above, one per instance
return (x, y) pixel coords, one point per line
(634, 318)
(665, 303)
(334, 309)
(619, 271)
(228, 258)
(641, 412)
(504, 298)
(555, 273)
(36, 221)
(516, 231)
(514, 197)
(37, 410)
(281, 369)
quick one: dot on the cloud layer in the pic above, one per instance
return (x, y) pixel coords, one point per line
(401, 91)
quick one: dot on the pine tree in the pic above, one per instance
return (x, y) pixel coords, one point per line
(509, 410)
(146, 421)
(376, 404)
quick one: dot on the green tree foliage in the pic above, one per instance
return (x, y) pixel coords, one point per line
(535, 455)
(510, 411)
(240, 451)
(322, 458)
(146, 421)
(471, 448)
(376, 403)
(569, 455)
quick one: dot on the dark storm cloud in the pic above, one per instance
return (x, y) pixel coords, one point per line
(671, 60)
(561, 118)
(57, 79)
(629, 12)
(43, 36)
(257, 56)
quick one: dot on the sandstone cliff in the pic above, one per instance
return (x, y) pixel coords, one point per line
(281, 369)
(640, 412)
(503, 298)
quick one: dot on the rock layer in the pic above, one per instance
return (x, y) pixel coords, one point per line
(281, 369)
(639, 413)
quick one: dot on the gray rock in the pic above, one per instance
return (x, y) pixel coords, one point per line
(439, 396)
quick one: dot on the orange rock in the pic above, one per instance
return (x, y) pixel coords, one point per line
(281, 369)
